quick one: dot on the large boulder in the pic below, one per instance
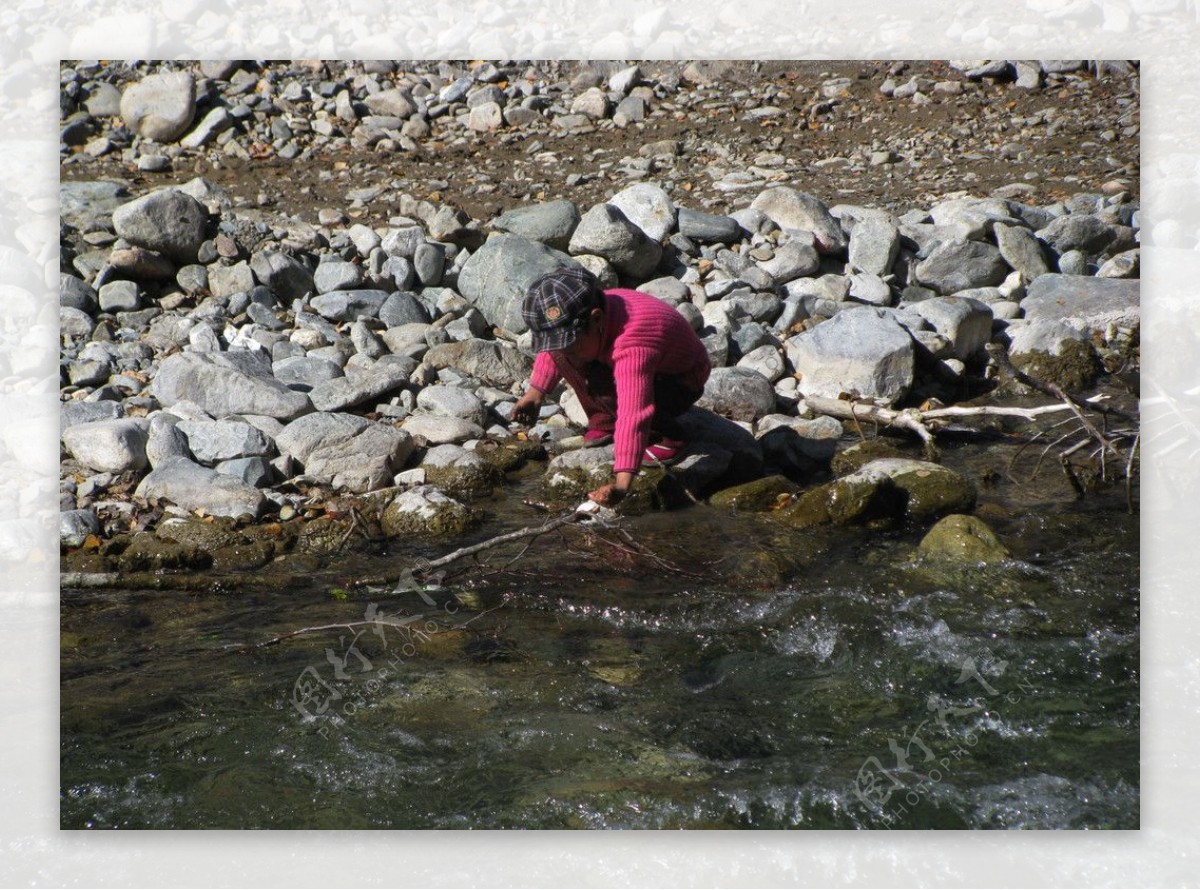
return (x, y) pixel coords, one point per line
(489, 361)
(962, 539)
(366, 461)
(161, 106)
(965, 322)
(497, 276)
(380, 379)
(224, 383)
(930, 489)
(212, 441)
(648, 207)
(167, 221)
(862, 350)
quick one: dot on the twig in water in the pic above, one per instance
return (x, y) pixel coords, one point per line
(349, 625)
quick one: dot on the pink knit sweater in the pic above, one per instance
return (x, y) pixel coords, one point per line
(643, 337)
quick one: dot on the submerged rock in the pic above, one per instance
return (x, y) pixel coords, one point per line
(963, 539)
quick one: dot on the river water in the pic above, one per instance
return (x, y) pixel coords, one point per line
(697, 669)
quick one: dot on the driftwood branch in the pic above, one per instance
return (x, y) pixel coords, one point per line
(348, 625)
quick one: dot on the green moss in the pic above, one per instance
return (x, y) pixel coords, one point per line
(447, 520)
(149, 553)
(860, 454)
(962, 539)
(203, 534)
(465, 482)
(243, 557)
(1076, 369)
(932, 490)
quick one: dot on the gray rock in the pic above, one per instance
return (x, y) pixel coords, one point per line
(403, 307)
(366, 342)
(606, 232)
(869, 288)
(766, 360)
(391, 103)
(792, 260)
(668, 289)
(874, 244)
(74, 324)
(648, 207)
(442, 430)
(287, 278)
(346, 392)
(120, 296)
(88, 206)
(364, 238)
(792, 209)
(1087, 303)
(496, 277)
(1042, 335)
(212, 441)
(429, 262)
(1078, 231)
(366, 461)
(92, 373)
(74, 413)
(425, 511)
(74, 526)
(1021, 250)
(167, 221)
(1123, 265)
(707, 228)
(254, 471)
(349, 305)
(706, 430)
(959, 265)
(450, 401)
(165, 441)
(337, 275)
(108, 446)
(160, 106)
(486, 117)
(493, 363)
(976, 217)
(1073, 262)
(227, 383)
(863, 350)
(76, 293)
(305, 371)
(965, 322)
(740, 393)
(551, 223)
(213, 125)
(194, 487)
(225, 281)
(744, 304)
(403, 242)
(313, 432)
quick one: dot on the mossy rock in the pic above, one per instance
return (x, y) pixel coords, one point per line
(281, 535)
(84, 561)
(465, 481)
(149, 553)
(758, 496)
(858, 499)
(324, 535)
(860, 454)
(209, 534)
(243, 557)
(932, 490)
(1076, 369)
(651, 489)
(508, 455)
(427, 512)
(962, 539)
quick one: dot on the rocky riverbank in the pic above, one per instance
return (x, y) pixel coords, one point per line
(255, 366)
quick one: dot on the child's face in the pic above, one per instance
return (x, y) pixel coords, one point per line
(586, 347)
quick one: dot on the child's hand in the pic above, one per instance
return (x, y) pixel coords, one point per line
(527, 407)
(607, 495)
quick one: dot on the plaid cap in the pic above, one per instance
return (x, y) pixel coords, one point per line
(556, 307)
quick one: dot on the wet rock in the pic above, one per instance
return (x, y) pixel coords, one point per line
(160, 106)
(863, 350)
(792, 209)
(930, 489)
(958, 265)
(862, 498)
(1055, 352)
(199, 534)
(606, 232)
(108, 446)
(167, 221)
(194, 487)
(148, 553)
(227, 383)
(962, 539)
(460, 473)
(426, 512)
(758, 496)
(498, 275)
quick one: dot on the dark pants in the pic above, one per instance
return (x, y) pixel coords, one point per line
(671, 398)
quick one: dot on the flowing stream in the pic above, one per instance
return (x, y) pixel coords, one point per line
(696, 669)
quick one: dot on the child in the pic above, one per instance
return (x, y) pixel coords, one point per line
(634, 362)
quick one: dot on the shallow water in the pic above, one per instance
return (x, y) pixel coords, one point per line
(710, 670)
